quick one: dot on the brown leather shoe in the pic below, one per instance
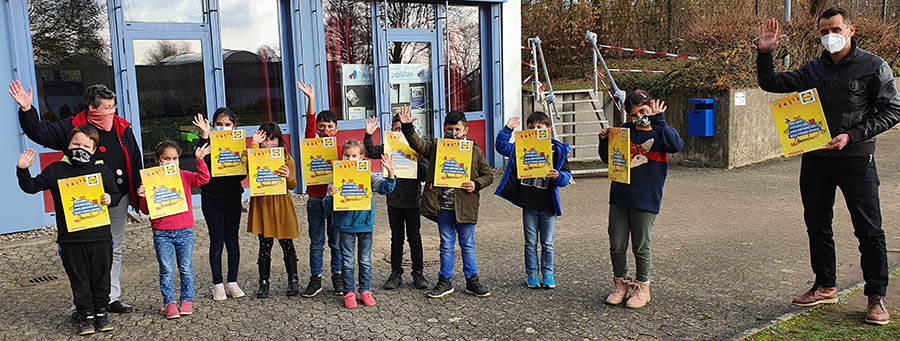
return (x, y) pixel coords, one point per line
(876, 313)
(817, 295)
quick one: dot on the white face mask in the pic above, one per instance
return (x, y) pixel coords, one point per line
(223, 128)
(834, 42)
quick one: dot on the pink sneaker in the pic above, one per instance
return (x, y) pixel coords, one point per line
(350, 300)
(172, 311)
(187, 308)
(367, 298)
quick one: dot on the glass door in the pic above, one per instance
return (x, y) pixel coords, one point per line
(411, 83)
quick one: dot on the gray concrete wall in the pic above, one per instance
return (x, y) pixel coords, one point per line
(753, 135)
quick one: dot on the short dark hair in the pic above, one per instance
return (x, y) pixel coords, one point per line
(273, 130)
(455, 117)
(539, 117)
(227, 112)
(87, 130)
(94, 93)
(326, 116)
(395, 118)
(637, 98)
(166, 144)
(832, 12)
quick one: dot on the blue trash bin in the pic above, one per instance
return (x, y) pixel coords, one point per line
(702, 119)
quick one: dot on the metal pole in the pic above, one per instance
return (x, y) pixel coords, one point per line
(551, 98)
(669, 26)
(618, 94)
(787, 19)
(596, 77)
(757, 7)
(447, 56)
(884, 11)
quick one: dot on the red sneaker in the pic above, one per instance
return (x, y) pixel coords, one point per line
(172, 311)
(350, 300)
(367, 298)
(187, 308)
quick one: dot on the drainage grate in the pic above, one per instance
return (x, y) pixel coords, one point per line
(42, 279)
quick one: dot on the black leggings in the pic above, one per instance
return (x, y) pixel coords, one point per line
(223, 217)
(287, 248)
(398, 217)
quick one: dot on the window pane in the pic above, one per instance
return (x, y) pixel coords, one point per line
(251, 48)
(410, 15)
(178, 11)
(465, 58)
(348, 48)
(171, 91)
(70, 53)
(410, 77)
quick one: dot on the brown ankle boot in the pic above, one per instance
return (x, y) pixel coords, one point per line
(618, 294)
(817, 295)
(876, 313)
(640, 295)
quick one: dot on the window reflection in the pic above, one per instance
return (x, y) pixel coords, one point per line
(348, 48)
(411, 15)
(465, 58)
(411, 82)
(177, 11)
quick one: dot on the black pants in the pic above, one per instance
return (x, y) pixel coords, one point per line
(88, 265)
(287, 249)
(398, 217)
(223, 217)
(858, 180)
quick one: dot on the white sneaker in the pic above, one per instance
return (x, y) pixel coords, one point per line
(233, 290)
(218, 292)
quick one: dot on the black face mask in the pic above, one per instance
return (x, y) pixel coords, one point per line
(80, 157)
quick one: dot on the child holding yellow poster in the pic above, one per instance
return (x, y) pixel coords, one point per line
(264, 166)
(800, 123)
(619, 155)
(86, 253)
(173, 234)
(454, 160)
(633, 207)
(318, 156)
(228, 153)
(352, 177)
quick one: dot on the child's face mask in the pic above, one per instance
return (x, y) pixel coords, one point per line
(270, 144)
(80, 156)
(641, 120)
(223, 128)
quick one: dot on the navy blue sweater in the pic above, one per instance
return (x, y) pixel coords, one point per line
(649, 165)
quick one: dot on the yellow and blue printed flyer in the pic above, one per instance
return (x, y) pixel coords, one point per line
(264, 164)
(405, 159)
(534, 153)
(165, 191)
(228, 153)
(620, 155)
(800, 123)
(317, 156)
(81, 197)
(454, 162)
(354, 182)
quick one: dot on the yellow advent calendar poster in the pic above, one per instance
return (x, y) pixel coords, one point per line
(264, 164)
(354, 182)
(800, 123)
(454, 162)
(620, 155)
(405, 160)
(81, 197)
(228, 153)
(534, 153)
(318, 155)
(165, 192)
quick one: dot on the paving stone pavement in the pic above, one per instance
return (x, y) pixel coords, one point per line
(730, 251)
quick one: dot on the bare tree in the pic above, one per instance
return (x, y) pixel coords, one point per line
(62, 29)
(269, 53)
(164, 49)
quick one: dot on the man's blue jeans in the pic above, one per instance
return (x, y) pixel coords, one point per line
(449, 230)
(317, 218)
(172, 245)
(538, 226)
(348, 247)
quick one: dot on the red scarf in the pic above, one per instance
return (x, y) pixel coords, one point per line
(102, 119)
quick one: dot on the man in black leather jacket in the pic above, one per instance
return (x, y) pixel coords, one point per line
(860, 101)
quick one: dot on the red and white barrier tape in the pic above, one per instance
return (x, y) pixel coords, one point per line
(637, 71)
(648, 52)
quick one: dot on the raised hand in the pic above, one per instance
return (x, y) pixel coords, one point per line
(769, 35)
(371, 125)
(22, 98)
(405, 116)
(307, 89)
(657, 106)
(202, 152)
(387, 161)
(514, 122)
(258, 137)
(202, 123)
(27, 159)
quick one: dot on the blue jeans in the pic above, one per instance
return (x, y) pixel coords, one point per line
(318, 217)
(538, 225)
(449, 230)
(172, 245)
(348, 246)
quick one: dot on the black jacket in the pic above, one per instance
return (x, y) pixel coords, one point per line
(858, 95)
(407, 192)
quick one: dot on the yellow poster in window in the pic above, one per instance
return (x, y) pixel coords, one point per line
(620, 155)
(800, 123)
(454, 162)
(165, 191)
(317, 156)
(354, 182)
(80, 198)
(228, 153)
(534, 153)
(264, 164)
(405, 160)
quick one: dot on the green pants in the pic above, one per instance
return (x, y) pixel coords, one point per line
(625, 222)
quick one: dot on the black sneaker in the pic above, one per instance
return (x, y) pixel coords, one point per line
(86, 325)
(314, 287)
(101, 322)
(119, 307)
(443, 287)
(419, 280)
(473, 286)
(394, 281)
(337, 282)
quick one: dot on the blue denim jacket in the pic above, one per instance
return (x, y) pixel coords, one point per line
(360, 221)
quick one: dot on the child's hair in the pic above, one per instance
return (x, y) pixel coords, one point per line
(88, 131)
(94, 93)
(395, 118)
(539, 117)
(227, 113)
(166, 144)
(637, 98)
(354, 144)
(455, 117)
(326, 116)
(272, 130)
